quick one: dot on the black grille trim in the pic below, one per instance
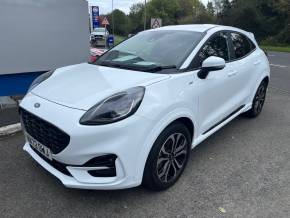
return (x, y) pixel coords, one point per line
(44, 132)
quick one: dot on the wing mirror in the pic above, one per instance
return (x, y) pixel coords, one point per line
(212, 63)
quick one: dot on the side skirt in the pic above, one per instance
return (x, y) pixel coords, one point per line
(223, 120)
(220, 124)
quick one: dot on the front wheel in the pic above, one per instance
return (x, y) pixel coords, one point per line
(168, 157)
(258, 101)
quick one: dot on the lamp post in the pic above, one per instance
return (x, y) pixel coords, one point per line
(113, 25)
(145, 16)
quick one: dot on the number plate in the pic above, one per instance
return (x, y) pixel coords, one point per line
(45, 151)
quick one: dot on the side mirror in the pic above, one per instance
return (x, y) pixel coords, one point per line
(212, 63)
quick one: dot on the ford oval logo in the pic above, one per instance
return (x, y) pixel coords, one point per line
(36, 105)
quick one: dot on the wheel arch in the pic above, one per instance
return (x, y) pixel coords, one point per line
(266, 79)
(179, 115)
(186, 122)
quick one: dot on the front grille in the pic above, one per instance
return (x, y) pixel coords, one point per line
(45, 133)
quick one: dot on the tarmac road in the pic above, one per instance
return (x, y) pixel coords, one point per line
(243, 168)
(280, 69)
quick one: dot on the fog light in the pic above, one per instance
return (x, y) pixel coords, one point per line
(107, 162)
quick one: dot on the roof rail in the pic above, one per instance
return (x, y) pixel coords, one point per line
(211, 28)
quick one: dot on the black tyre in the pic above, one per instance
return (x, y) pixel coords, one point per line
(167, 158)
(258, 101)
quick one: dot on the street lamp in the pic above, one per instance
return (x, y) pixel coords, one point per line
(145, 16)
(113, 26)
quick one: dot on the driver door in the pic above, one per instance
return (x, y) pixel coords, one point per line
(216, 94)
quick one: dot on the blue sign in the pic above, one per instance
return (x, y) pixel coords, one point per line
(95, 17)
(110, 41)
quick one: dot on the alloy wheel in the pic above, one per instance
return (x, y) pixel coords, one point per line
(260, 99)
(172, 157)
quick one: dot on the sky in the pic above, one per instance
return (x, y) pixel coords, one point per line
(123, 5)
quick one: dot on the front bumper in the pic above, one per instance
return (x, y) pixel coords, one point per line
(88, 181)
(125, 139)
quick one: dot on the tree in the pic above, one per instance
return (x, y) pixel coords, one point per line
(121, 22)
(136, 17)
(210, 8)
(267, 19)
(284, 36)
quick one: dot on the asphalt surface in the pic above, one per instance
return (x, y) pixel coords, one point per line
(280, 69)
(244, 168)
(8, 116)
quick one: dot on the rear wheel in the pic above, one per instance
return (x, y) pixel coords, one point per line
(168, 157)
(258, 101)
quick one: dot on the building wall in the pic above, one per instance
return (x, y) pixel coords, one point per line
(39, 35)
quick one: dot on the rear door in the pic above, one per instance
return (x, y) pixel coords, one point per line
(243, 62)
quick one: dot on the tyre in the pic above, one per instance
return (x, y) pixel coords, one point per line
(258, 101)
(167, 158)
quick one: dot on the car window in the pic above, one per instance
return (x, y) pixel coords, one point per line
(242, 45)
(217, 46)
(153, 48)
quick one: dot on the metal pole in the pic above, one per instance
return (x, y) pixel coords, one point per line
(113, 25)
(145, 16)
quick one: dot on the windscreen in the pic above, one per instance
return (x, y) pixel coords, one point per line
(161, 48)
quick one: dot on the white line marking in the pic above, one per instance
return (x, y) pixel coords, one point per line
(11, 129)
(276, 65)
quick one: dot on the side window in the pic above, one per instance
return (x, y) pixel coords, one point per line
(241, 45)
(216, 46)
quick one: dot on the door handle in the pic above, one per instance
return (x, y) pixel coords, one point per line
(257, 62)
(232, 73)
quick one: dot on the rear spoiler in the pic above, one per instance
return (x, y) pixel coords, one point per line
(252, 37)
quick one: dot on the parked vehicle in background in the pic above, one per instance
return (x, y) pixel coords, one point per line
(99, 36)
(95, 53)
(133, 116)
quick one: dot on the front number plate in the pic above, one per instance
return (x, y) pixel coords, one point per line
(45, 151)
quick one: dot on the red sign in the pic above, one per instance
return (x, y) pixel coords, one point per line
(105, 22)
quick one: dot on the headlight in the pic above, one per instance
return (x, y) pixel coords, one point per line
(40, 79)
(114, 108)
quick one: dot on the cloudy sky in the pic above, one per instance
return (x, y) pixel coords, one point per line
(124, 5)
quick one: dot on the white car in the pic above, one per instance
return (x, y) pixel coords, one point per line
(132, 116)
(99, 33)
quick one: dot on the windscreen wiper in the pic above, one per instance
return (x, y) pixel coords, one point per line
(151, 68)
(159, 68)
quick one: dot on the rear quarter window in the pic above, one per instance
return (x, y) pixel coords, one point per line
(242, 45)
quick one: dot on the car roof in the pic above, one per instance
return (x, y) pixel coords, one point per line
(189, 27)
(202, 28)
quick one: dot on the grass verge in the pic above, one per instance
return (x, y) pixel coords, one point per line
(119, 39)
(276, 48)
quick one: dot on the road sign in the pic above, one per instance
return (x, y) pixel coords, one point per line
(105, 22)
(95, 17)
(156, 23)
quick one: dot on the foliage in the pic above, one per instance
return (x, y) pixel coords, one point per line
(282, 48)
(122, 23)
(267, 19)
